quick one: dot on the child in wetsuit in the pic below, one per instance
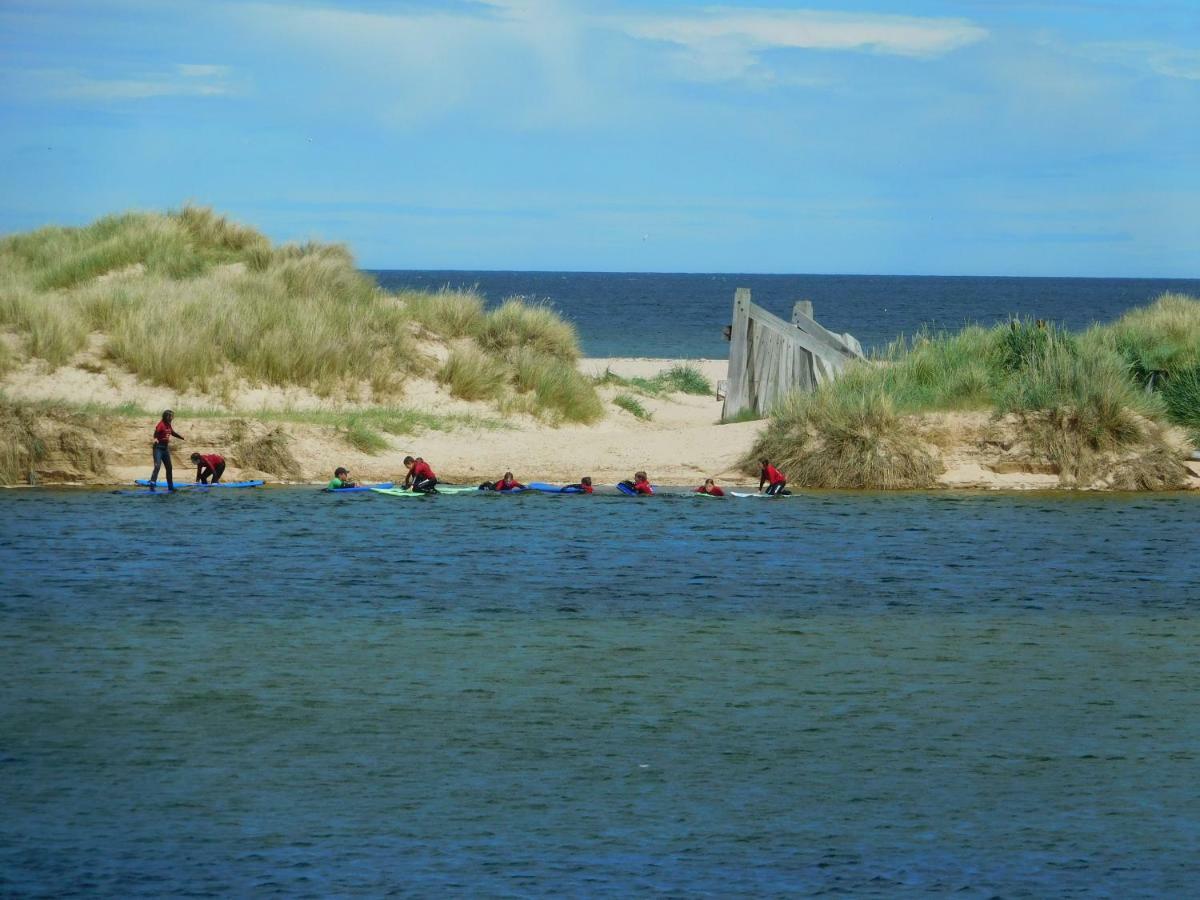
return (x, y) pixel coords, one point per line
(710, 487)
(640, 483)
(163, 432)
(774, 479)
(507, 483)
(584, 486)
(420, 477)
(341, 479)
(209, 467)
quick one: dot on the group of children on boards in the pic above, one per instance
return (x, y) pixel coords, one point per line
(421, 478)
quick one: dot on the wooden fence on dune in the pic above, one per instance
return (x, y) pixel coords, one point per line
(769, 357)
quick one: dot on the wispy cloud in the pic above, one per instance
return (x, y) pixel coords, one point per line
(762, 29)
(719, 44)
(183, 80)
(1162, 59)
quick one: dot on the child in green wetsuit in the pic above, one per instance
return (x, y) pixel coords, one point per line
(341, 479)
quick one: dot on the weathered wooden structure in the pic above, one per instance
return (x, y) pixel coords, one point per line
(769, 357)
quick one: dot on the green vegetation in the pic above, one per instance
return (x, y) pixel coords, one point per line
(630, 404)
(677, 379)
(472, 374)
(560, 392)
(1094, 405)
(746, 415)
(362, 437)
(190, 300)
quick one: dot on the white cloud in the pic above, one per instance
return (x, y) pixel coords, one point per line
(751, 31)
(71, 84)
(1162, 59)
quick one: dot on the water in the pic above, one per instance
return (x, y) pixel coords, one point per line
(279, 691)
(630, 314)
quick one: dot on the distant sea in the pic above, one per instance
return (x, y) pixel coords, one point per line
(639, 314)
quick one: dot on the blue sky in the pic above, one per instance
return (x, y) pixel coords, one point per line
(970, 137)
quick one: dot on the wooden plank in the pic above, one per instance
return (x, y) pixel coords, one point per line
(737, 396)
(802, 308)
(815, 328)
(809, 342)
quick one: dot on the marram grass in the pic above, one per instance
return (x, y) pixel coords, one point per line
(190, 300)
(1088, 402)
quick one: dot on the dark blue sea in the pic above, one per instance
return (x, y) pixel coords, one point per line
(280, 692)
(630, 314)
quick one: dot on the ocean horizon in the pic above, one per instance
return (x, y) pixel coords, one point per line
(683, 314)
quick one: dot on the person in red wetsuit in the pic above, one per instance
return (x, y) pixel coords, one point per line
(507, 483)
(640, 484)
(163, 432)
(710, 487)
(420, 477)
(209, 467)
(584, 486)
(774, 479)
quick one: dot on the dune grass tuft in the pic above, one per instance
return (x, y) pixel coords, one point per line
(633, 406)
(448, 313)
(471, 374)
(517, 324)
(359, 434)
(845, 440)
(561, 392)
(682, 379)
(262, 448)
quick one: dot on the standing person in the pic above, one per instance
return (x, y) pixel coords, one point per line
(710, 487)
(163, 432)
(774, 479)
(420, 477)
(208, 466)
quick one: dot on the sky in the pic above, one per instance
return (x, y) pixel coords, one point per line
(975, 137)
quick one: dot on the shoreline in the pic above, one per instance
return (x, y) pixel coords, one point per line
(680, 445)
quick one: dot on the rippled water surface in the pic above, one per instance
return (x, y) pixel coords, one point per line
(280, 691)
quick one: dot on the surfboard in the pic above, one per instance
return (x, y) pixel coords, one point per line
(762, 496)
(554, 488)
(359, 488)
(190, 484)
(628, 491)
(448, 489)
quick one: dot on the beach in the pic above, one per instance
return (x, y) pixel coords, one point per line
(680, 444)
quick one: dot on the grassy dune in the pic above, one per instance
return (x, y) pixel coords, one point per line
(1094, 404)
(190, 300)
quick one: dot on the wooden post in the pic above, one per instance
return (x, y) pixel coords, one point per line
(802, 308)
(737, 397)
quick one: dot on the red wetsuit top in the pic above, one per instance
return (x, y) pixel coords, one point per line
(586, 488)
(503, 485)
(421, 469)
(162, 433)
(212, 460)
(773, 475)
(714, 490)
(643, 487)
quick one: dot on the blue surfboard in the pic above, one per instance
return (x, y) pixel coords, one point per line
(554, 488)
(179, 485)
(630, 492)
(358, 488)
